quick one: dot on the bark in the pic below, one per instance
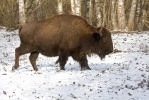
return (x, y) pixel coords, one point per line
(113, 15)
(98, 13)
(73, 7)
(87, 9)
(91, 12)
(78, 7)
(83, 8)
(108, 19)
(21, 12)
(121, 15)
(66, 6)
(60, 7)
(104, 13)
(145, 16)
(138, 16)
(131, 15)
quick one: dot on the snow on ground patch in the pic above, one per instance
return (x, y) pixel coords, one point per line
(122, 75)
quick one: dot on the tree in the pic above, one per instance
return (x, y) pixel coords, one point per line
(121, 15)
(131, 15)
(78, 7)
(66, 6)
(87, 9)
(91, 11)
(145, 16)
(21, 12)
(113, 15)
(60, 7)
(98, 13)
(83, 8)
(138, 16)
(73, 7)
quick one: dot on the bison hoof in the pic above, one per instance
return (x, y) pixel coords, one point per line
(62, 68)
(36, 69)
(13, 68)
(85, 69)
(88, 68)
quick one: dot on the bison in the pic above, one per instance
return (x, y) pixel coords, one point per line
(63, 36)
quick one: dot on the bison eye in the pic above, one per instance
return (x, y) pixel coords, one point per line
(96, 36)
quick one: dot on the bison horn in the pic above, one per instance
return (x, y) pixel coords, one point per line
(100, 31)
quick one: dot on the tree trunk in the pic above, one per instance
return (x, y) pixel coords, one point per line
(83, 8)
(78, 7)
(73, 7)
(104, 13)
(138, 16)
(87, 9)
(113, 15)
(131, 15)
(145, 16)
(66, 6)
(60, 7)
(98, 13)
(91, 12)
(21, 12)
(121, 15)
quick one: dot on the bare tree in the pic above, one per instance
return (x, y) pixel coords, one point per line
(131, 15)
(138, 16)
(21, 12)
(83, 8)
(73, 7)
(113, 15)
(104, 12)
(66, 6)
(60, 7)
(78, 7)
(91, 11)
(87, 9)
(98, 13)
(145, 16)
(121, 15)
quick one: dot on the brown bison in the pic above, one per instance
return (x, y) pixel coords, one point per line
(63, 36)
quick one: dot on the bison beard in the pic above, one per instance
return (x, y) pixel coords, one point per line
(63, 36)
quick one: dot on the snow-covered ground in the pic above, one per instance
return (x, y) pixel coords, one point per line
(123, 75)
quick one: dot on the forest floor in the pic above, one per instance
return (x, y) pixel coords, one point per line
(122, 75)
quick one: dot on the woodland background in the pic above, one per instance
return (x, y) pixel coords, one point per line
(121, 15)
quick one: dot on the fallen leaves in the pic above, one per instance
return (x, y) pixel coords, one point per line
(4, 92)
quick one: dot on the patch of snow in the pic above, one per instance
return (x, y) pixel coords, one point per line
(122, 75)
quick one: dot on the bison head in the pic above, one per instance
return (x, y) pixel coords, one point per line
(103, 44)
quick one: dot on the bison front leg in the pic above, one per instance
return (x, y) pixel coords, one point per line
(83, 62)
(81, 58)
(63, 57)
(33, 57)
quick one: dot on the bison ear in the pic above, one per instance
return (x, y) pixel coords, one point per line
(96, 36)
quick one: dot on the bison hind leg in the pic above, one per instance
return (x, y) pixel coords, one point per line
(63, 57)
(57, 61)
(33, 57)
(23, 49)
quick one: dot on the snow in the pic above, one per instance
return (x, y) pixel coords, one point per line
(122, 75)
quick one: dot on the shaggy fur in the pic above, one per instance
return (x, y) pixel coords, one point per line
(63, 36)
